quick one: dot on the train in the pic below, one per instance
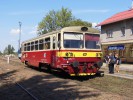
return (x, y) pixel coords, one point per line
(75, 50)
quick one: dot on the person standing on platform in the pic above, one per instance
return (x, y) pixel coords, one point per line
(118, 62)
(106, 59)
(111, 63)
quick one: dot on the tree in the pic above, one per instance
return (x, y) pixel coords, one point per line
(0, 53)
(9, 50)
(55, 20)
(64, 17)
(79, 22)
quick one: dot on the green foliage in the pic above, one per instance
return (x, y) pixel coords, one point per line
(79, 22)
(64, 17)
(55, 20)
(9, 50)
(0, 53)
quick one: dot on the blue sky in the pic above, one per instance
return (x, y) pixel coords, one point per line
(31, 12)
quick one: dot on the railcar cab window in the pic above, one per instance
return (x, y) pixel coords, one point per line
(73, 40)
(92, 41)
(47, 43)
(41, 44)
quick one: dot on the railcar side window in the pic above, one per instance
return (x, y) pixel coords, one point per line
(28, 47)
(41, 44)
(32, 46)
(54, 40)
(59, 40)
(92, 41)
(47, 43)
(36, 45)
(25, 47)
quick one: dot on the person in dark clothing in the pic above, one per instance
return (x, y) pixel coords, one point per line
(111, 63)
(106, 59)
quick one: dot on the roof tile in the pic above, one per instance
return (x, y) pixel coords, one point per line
(118, 17)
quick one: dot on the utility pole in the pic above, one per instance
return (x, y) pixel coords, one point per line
(19, 41)
(132, 5)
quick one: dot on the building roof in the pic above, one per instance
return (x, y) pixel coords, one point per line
(118, 17)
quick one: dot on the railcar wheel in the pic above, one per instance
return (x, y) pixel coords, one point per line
(40, 67)
(100, 73)
(26, 63)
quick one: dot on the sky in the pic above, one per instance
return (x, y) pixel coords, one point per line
(31, 12)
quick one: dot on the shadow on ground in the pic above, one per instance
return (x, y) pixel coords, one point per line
(45, 87)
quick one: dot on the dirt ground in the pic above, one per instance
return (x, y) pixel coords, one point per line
(47, 86)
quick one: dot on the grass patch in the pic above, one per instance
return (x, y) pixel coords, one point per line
(111, 84)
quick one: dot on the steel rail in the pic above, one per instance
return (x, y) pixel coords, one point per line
(35, 98)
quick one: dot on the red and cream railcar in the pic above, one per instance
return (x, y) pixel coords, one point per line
(75, 50)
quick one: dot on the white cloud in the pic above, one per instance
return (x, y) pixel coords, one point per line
(94, 24)
(34, 30)
(27, 12)
(14, 31)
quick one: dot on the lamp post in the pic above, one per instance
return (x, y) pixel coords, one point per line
(19, 48)
(19, 35)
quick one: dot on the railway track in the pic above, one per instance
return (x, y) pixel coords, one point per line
(49, 86)
(11, 79)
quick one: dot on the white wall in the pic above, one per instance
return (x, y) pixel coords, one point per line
(116, 30)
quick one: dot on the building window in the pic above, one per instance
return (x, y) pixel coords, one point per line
(109, 33)
(131, 52)
(123, 31)
(131, 30)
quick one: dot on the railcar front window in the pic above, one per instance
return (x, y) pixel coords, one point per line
(73, 40)
(92, 41)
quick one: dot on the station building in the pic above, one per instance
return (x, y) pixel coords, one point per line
(117, 35)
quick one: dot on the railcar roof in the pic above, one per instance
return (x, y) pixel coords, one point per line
(66, 29)
(40, 36)
(78, 29)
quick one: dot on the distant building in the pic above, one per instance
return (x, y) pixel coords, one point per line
(117, 35)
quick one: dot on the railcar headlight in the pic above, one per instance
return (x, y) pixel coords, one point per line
(84, 28)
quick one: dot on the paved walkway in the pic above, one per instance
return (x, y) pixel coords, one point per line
(125, 67)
